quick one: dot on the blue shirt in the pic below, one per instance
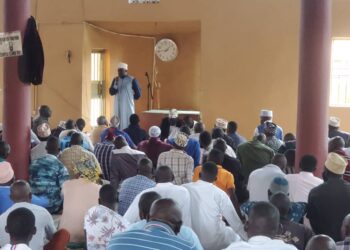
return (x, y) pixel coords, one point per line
(130, 188)
(117, 132)
(186, 233)
(193, 149)
(6, 202)
(155, 235)
(237, 139)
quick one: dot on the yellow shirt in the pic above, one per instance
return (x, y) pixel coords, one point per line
(225, 180)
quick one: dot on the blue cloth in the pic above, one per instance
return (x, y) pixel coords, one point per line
(237, 139)
(193, 149)
(117, 132)
(296, 213)
(6, 202)
(130, 188)
(46, 176)
(155, 235)
(65, 143)
(279, 131)
(185, 233)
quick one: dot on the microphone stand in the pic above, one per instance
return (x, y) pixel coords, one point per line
(149, 94)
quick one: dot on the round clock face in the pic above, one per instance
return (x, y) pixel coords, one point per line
(166, 50)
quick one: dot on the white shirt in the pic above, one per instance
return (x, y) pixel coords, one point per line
(38, 151)
(44, 224)
(259, 181)
(261, 243)
(100, 223)
(165, 190)
(301, 184)
(16, 247)
(209, 204)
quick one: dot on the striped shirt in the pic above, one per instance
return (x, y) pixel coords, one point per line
(155, 235)
(180, 163)
(103, 153)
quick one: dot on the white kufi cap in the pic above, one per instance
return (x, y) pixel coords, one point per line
(123, 66)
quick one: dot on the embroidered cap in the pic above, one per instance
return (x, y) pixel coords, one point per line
(173, 113)
(43, 130)
(334, 122)
(266, 113)
(181, 140)
(221, 123)
(336, 163)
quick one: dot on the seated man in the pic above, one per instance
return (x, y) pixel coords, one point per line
(47, 174)
(260, 179)
(145, 203)
(219, 134)
(71, 128)
(102, 124)
(198, 128)
(192, 148)
(232, 132)
(132, 186)
(44, 115)
(103, 152)
(280, 184)
(78, 157)
(103, 218)
(177, 159)
(46, 231)
(20, 226)
(292, 232)
(6, 179)
(39, 150)
(271, 140)
(164, 178)
(336, 145)
(209, 205)
(154, 146)
(164, 223)
(123, 161)
(79, 195)
(321, 242)
(114, 124)
(345, 231)
(136, 133)
(262, 227)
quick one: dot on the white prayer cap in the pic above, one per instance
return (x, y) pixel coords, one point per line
(221, 123)
(334, 122)
(123, 66)
(173, 113)
(266, 113)
(154, 131)
(43, 130)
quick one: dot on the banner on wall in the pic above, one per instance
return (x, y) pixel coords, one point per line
(10, 44)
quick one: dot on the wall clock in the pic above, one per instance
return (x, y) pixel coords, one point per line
(166, 50)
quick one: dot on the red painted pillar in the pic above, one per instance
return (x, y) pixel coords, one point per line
(16, 115)
(314, 76)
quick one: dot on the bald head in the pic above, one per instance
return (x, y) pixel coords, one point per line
(145, 167)
(20, 191)
(345, 229)
(336, 143)
(263, 220)
(164, 174)
(321, 242)
(166, 211)
(279, 160)
(120, 142)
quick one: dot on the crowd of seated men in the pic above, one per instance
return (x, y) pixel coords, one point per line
(177, 186)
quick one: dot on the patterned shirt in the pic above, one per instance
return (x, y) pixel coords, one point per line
(100, 223)
(296, 213)
(274, 143)
(46, 176)
(103, 153)
(344, 245)
(130, 188)
(180, 163)
(81, 159)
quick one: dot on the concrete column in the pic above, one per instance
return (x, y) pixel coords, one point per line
(16, 115)
(314, 77)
